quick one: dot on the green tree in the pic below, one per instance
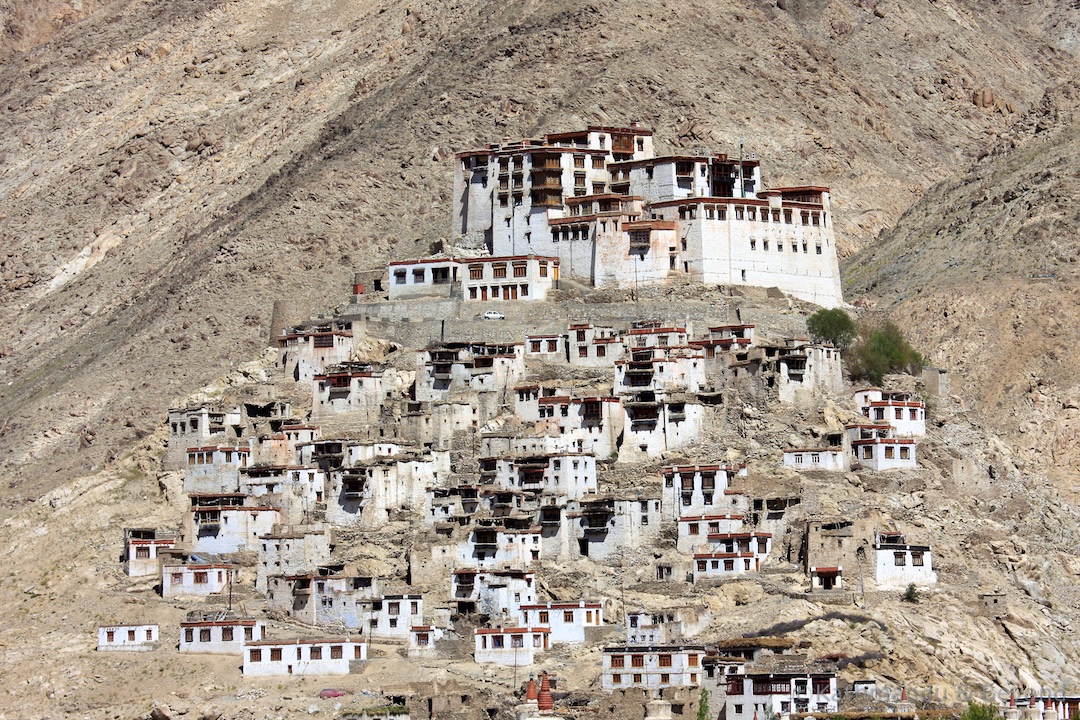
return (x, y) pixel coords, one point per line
(911, 595)
(703, 705)
(881, 350)
(832, 325)
(980, 711)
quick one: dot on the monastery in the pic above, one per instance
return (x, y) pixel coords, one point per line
(512, 449)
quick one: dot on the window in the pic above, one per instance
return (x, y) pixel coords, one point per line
(889, 452)
(753, 244)
(335, 652)
(275, 654)
(497, 641)
(568, 616)
(598, 162)
(616, 679)
(552, 345)
(583, 351)
(916, 558)
(110, 636)
(226, 634)
(476, 272)
(315, 653)
(618, 661)
(900, 559)
(905, 453)
(665, 660)
(817, 249)
(867, 452)
(692, 529)
(418, 276)
(499, 271)
(255, 655)
(534, 346)
(399, 277)
(693, 660)
(517, 641)
(394, 608)
(579, 161)
(544, 617)
(580, 336)
(637, 661)
(358, 652)
(787, 217)
(248, 634)
(601, 351)
(142, 553)
(519, 269)
(637, 677)
(543, 269)
(200, 578)
(798, 458)
(204, 635)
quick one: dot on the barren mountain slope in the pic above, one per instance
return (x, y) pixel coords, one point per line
(984, 270)
(169, 168)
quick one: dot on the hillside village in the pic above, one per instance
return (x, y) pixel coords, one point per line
(479, 455)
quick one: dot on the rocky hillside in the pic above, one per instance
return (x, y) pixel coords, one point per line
(169, 168)
(984, 271)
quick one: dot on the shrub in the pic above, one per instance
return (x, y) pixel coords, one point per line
(882, 350)
(832, 325)
(703, 705)
(911, 595)
(980, 711)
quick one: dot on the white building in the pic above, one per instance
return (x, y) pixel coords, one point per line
(221, 523)
(422, 639)
(898, 564)
(568, 621)
(878, 448)
(700, 489)
(219, 633)
(589, 345)
(492, 592)
(196, 579)
(780, 694)
(694, 531)
(509, 277)
(127, 638)
(829, 459)
(616, 215)
(331, 599)
(900, 410)
(549, 347)
(607, 526)
(304, 657)
(214, 468)
(306, 350)
(352, 389)
(806, 372)
(141, 550)
(497, 547)
(393, 616)
(653, 667)
(291, 553)
(197, 427)
(515, 647)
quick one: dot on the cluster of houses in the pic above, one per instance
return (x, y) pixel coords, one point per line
(262, 481)
(495, 450)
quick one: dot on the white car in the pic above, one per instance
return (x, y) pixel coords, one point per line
(493, 315)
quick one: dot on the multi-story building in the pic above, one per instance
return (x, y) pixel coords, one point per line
(616, 215)
(653, 667)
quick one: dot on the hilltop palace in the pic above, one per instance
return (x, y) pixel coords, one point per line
(613, 213)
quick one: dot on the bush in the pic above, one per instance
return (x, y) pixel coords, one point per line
(882, 350)
(980, 711)
(834, 326)
(911, 595)
(703, 705)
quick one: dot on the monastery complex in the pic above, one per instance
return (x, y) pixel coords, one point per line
(514, 435)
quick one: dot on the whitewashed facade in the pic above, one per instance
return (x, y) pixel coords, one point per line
(306, 657)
